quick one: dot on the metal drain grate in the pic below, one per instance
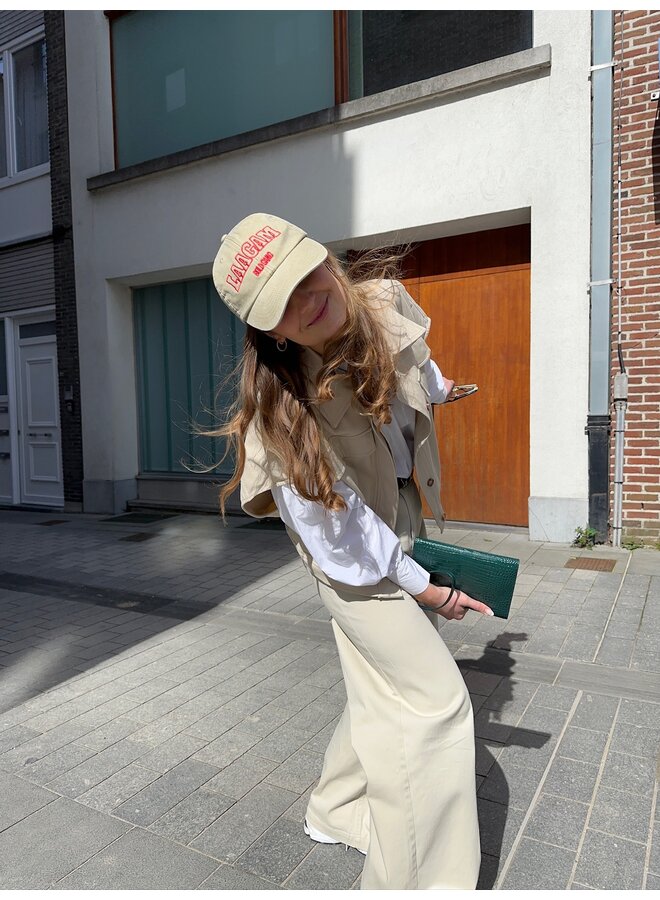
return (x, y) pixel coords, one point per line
(54, 522)
(138, 536)
(596, 565)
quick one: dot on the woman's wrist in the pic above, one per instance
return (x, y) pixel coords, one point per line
(436, 596)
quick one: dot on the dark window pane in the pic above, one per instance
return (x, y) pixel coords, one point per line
(37, 329)
(389, 49)
(3, 360)
(31, 109)
(3, 137)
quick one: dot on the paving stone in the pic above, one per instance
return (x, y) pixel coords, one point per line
(558, 821)
(327, 867)
(96, 769)
(242, 775)
(191, 816)
(571, 778)
(634, 774)
(621, 814)
(281, 743)
(543, 720)
(486, 754)
(20, 799)
(231, 878)
(654, 859)
(486, 726)
(538, 866)
(652, 882)
(140, 861)
(161, 795)
(110, 733)
(230, 835)
(56, 763)
(169, 754)
(268, 718)
(638, 712)
(11, 738)
(278, 851)
(40, 746)
(498, 827)
(228, 747)
(608, 862)
(595, 712)
(297, 811)
(584, 745)
(298, 772)
(637, 740)
(581, 643)
(516, 788)
(118, 788)
(554, 697)
(71, 832)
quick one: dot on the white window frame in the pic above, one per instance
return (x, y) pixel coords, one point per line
(7, 53)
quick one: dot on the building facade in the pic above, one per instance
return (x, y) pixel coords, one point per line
(349, 126)
(635, 474)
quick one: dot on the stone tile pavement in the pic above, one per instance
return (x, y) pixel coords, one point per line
(167, 691)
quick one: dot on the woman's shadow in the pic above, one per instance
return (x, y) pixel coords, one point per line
(497, 706)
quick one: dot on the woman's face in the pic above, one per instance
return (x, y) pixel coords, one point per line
(315, 312)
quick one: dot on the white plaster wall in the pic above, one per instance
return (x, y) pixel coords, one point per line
(523, 147)
(25, 210)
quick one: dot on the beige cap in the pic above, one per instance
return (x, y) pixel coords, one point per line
(260, 263)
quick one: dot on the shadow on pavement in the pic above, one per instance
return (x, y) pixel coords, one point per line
(493, 735)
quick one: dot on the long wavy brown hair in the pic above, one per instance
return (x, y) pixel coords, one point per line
(274, 392)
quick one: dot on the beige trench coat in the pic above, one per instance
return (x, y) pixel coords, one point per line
(356, 450)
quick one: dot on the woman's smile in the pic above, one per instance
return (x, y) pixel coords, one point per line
(316, 311)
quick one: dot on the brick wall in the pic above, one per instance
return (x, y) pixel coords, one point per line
(636, 35)
(66, 322)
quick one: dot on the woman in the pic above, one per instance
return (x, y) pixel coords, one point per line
(334, 410)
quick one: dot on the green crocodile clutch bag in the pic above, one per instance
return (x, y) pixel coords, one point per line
(485, 576)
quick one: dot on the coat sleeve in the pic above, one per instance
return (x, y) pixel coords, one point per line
(259, 476)
(408, 308)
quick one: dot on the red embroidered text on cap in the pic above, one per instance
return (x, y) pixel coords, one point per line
(249, 250)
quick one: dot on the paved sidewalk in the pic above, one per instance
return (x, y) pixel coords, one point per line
(168, 690)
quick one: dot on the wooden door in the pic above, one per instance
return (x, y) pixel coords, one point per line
(480, 333)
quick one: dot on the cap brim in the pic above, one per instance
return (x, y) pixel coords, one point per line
(268, 308)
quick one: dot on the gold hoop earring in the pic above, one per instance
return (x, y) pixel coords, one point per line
(282, 344)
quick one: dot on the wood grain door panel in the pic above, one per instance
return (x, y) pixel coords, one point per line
(480, 333)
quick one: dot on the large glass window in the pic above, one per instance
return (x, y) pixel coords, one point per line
(390, 48)
(23, 108)
(186, 78)
(3, 136)
(187, 344)
(31, 106)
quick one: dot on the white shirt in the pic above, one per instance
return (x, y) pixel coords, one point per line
(353, 545)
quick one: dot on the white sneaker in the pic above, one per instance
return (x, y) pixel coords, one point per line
(321, 838)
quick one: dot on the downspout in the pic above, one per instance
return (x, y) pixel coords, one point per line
(598, 419)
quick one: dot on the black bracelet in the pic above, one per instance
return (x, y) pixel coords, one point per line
(451, 594)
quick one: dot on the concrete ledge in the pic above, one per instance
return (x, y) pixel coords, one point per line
(555, 519)
(494, 73)
(108, 496)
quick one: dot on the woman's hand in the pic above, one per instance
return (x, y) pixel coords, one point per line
(434, 596)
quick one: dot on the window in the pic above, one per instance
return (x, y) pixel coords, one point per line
(187, 343)
(186, 78)
(23, 108)
(391, 48)
(182, 79)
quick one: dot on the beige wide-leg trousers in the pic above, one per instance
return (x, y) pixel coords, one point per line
(398, 778)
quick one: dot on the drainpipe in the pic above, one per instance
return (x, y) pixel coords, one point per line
(600, 287)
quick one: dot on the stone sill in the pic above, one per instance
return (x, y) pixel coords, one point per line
(485, 76)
